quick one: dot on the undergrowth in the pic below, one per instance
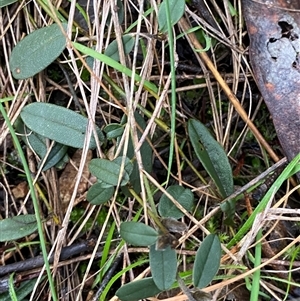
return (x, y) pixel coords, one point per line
(121, 138)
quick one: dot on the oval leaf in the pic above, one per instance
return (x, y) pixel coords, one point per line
(112, 49)
(17, 227)
(183, 196)
(138, 234)
(98, 194)
(212, 156)
(138, 290)
(128, 164)
(37, 51)
(163, 266)
(31, 139)
(113, 130)
(57, 154)
(207, 261)
(58, 123)
(36, 142)
(176, 8)
(108, 171)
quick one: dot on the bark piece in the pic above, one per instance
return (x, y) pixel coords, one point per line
(274, 31)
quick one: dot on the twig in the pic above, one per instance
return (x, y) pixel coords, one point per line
(107, 277)
(233, 99)
(38, 261)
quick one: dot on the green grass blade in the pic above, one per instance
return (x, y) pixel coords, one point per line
(173, 88)
(288, 171)
(118, 275)
(12, 292)
(113, 64)
(105, 252)
(256, 275)
(34, 200)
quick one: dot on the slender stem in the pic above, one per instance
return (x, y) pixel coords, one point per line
(34, 200)
(185, 289)
(173, 88)
(152, 215)
(149, 195)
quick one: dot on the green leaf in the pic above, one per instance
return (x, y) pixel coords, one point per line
(32, 139)
(57, 154)
(98, 194)
(212, 156)
(121, 14)
(183, 196)
(113, 130)
(128, 164)
(146, 150)
(37, 51)
(17, 227)
(207, 261)
(58, 123)
(36, 142)
(138, 234)
(108, 171)
(207, 44)
(106, 260)
(163, 265)
(138, 290)
(232, 10)
(112, 49)
(112, 63)
(23, 290)
(4, 3)
(176, 12)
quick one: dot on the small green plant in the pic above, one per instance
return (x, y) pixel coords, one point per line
(212, 156)
(292, 253)
(163, 262)
(214, 159)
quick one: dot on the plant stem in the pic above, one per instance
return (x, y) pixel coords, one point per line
(152, 215)
(34, 200)
(256, 274)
